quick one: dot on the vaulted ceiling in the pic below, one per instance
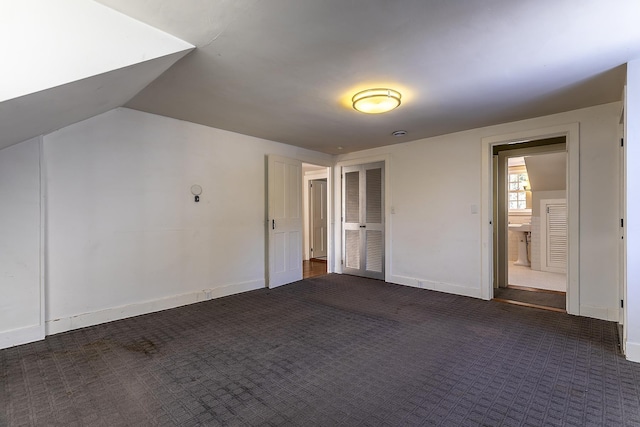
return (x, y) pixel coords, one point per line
(285, 70)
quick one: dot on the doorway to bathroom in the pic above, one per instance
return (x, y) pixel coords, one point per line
(530, 197)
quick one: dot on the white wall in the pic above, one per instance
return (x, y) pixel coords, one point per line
(632, 135)
(435, 183)
(20, 272)
(125, 235)
(536, 196)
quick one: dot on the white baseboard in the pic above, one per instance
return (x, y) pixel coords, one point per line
(449, 288)
(601, 313)
(116, 313)
(632, 351)
(21, 336)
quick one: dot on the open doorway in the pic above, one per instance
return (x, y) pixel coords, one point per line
(531, 223)
(315, 223)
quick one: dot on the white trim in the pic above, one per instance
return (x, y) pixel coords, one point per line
(623, 232)
(450, 288)
(21, 336)
(43, 237)
(601, 313)
(336, 242)
(116, 313)
(632, 352)
(317, 174)
(572, 133)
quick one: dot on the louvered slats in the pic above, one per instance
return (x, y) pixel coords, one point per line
(557, 235)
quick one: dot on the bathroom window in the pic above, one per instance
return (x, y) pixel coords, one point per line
(518, 187)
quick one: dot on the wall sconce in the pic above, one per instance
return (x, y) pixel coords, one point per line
(196, 190)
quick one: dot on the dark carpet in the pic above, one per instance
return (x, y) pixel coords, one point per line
(545, 299)
(332, 350)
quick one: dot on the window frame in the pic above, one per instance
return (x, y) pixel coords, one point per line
(517, 170)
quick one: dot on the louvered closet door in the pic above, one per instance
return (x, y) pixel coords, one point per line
(363, 220)
(554, 237)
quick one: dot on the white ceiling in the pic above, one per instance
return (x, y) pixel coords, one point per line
(285, 69)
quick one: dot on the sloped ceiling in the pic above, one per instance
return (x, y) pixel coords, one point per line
(72, 59)
(286, 69)
(547, 172)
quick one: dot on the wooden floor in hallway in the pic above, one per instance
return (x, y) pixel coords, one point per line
(314, 267)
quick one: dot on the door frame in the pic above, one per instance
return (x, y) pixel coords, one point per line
(622, 321)
(306, 199)
(362, 222)
(501, 211)
(337, 253)
(571, 133)
(330, 208)
(311, 242)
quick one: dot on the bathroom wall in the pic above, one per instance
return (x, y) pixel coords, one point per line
(534, 249)
(513, 237)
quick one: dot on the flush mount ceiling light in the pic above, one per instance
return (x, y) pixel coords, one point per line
(376, 101)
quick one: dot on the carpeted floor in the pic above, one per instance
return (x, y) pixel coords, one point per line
(545, 299)
(331, 350)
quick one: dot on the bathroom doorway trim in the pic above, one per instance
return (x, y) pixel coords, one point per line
(571, 132)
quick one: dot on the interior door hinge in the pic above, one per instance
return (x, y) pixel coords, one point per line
(621, 142)
(621, 222)
(621, 303)
(341, 261)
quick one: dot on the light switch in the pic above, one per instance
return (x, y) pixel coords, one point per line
(474, 209)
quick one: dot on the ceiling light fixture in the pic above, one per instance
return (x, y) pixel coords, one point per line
(399, 133)
(376, 101)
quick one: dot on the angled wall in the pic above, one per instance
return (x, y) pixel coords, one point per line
(125, 236)
(71, 60)
(52, 43)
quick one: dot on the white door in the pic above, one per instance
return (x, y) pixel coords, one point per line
(363, 220)
(318, 213)
(285, 220)
(553, 236)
